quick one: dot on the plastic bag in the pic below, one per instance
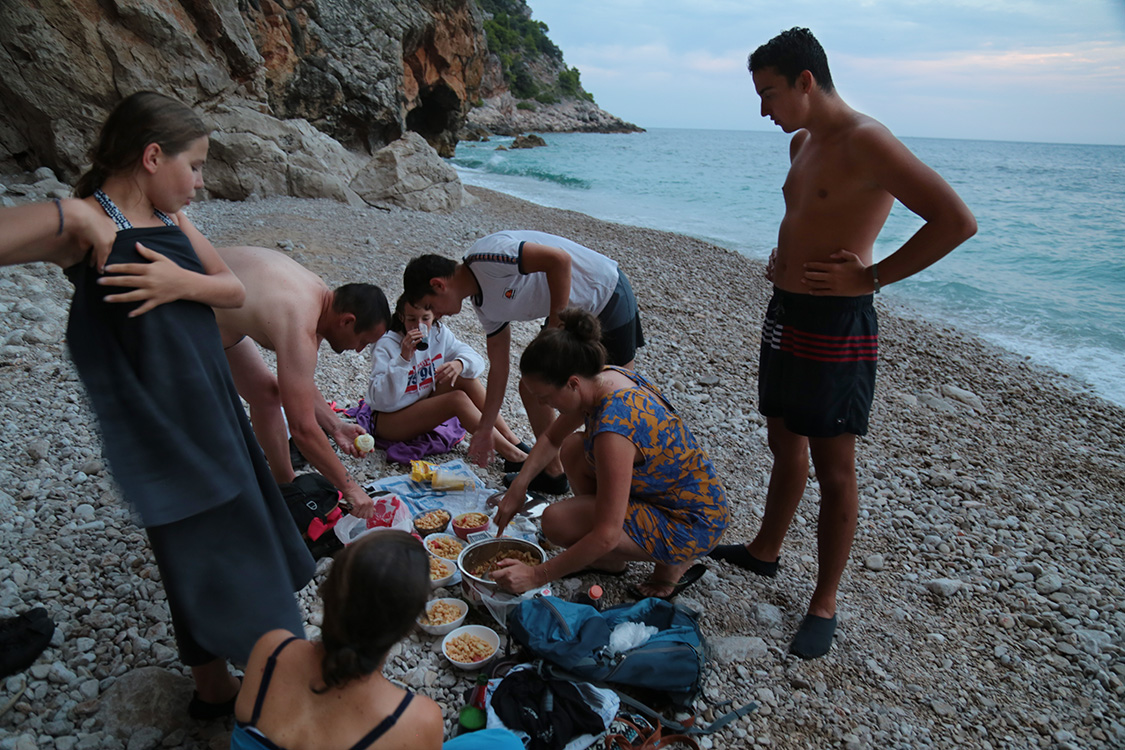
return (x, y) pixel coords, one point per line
(497, 602)
(629, 635)
(390, 513)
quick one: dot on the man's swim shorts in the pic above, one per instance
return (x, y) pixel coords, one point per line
(817, 363)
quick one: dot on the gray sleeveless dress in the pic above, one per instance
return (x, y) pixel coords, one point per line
(181, 447)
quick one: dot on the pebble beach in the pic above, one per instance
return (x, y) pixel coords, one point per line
(983, 605)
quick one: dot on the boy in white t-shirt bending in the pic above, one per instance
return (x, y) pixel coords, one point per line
(524, 275)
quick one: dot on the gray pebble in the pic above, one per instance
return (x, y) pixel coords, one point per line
(945, 587)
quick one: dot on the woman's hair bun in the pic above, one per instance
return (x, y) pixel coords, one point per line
(581, 324)
(575, 349)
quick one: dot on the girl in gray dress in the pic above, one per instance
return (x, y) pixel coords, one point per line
(143, 338)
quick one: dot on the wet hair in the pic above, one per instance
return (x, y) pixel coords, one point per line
(398, 320)
(376, 588)
(140, 119)
(366, 302)
(575, 349)
(419, 271)
(791, 53)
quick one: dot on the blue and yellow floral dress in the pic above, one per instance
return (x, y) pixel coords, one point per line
(677, 504)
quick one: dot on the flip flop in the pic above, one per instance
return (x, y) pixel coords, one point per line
(597, 571)
(690, 576)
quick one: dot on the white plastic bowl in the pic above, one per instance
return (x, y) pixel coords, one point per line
(446, 627)
(450, 572)
(486, 634)
(435, 537)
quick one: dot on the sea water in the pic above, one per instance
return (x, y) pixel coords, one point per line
(1044, 276)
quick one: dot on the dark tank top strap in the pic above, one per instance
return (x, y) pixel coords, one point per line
(385, 725)
(267, 675)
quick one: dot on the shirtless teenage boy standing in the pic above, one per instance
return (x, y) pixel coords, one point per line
(819, 339)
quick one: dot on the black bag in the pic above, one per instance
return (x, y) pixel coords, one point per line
(314, 504)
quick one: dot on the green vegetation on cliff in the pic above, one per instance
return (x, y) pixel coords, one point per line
(520, 43)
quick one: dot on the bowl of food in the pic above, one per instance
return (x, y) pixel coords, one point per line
(470, 523)
(445, 546)
(478, 560)
(431, 521)
(441, 572)
(442, 616)
(471, 646)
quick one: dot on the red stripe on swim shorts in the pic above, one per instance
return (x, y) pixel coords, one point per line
(823, 348)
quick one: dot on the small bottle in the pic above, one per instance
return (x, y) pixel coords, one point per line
(593, 597)
(480, 692)
(473, 715)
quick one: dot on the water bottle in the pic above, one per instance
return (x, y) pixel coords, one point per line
(593, 597)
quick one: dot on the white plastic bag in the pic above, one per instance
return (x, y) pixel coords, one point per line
(390, 513)
(629, 635)
(496, 602)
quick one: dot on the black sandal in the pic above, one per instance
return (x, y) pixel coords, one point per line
(690, 576)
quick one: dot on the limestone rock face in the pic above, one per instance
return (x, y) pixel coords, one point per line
(501, 115)
(410, 174)
(291, 86)
(254, 154)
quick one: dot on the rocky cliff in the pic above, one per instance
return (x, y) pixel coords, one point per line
(527, 86)
(301, 93)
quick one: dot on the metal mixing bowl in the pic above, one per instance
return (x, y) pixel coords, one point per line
(480, 552)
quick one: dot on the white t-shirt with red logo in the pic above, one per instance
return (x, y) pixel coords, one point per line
(508, 293)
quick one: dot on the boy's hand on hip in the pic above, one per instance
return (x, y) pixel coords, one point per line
(845, 275)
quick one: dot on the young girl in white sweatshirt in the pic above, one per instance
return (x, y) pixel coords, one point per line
(421, 375)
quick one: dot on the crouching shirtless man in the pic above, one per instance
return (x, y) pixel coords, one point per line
(290, 310)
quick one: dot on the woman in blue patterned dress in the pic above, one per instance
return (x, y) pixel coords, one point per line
(643, 489)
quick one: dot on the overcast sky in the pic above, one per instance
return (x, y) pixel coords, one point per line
(1019, 70)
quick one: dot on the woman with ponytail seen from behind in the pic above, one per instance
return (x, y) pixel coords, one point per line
(331, 694)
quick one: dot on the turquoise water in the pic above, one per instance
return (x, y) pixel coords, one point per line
(1044, 277)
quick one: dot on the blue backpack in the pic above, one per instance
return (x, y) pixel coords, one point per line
(574, 638)
(571, 641)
